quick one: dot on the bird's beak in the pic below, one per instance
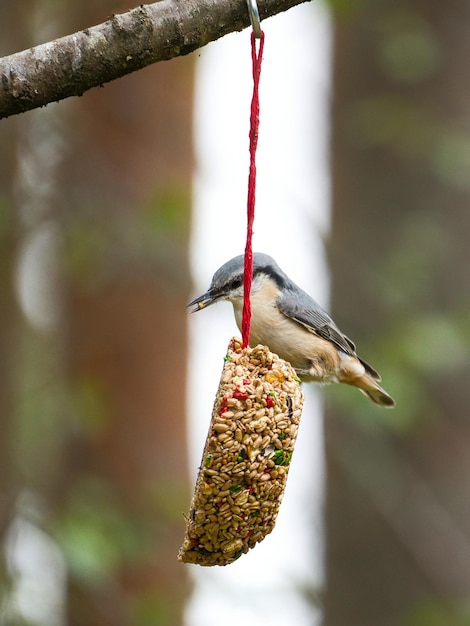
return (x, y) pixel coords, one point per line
(202, 302)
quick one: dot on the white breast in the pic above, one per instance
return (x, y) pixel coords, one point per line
(285, 337)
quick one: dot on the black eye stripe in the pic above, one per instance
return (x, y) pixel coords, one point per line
(233, 284)
(274, 275)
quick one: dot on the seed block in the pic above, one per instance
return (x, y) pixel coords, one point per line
(246, 456)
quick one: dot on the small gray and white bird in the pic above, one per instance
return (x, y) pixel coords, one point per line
(287, 320)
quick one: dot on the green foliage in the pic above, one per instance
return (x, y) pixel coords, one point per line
(95, 534)
(345, 8)
(163, 225)
(408, 48)
(409, 53)
(392, 121)
(451, 159)
(418, 348)
(435, 344)
(151, 609)
(86, 246)
(167, 212)
(40, 406)
(166, 499)
(439, 613)
(91, 406)
(413, 131)
(421, 248)
(5, 216)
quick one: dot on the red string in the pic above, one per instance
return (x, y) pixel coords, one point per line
(257, 57)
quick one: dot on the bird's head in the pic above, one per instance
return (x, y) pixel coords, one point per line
(227, 282)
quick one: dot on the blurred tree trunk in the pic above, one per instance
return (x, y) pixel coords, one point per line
(13, 31)
(127, 228)
(8, 336)
(93, 410)
(398, 514)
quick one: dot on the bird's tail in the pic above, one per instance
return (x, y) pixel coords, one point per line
(374, 391)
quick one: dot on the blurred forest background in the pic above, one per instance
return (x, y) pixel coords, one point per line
(95, 218)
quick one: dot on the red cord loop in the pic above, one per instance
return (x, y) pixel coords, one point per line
(257, 57)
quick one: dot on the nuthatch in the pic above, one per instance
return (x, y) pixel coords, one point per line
(287, 320)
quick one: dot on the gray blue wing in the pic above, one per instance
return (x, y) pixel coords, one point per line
(302, 308)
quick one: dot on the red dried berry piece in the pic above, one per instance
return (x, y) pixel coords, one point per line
(223, 406)
(238, 394)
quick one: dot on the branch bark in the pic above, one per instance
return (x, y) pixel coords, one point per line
(71, 65)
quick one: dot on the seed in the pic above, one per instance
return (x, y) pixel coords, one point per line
(238, 471)
(258, 424)
(242, 498)
(247, 416)
(220, 428)
(199, 517)
(232, 546)
(211, 527)
(217, 479)
(251, 453)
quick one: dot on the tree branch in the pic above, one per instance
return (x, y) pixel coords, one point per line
(71, 65)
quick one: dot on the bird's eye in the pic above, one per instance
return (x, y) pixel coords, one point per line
(235, 283)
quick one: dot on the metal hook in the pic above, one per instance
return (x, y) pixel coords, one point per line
(254, 18)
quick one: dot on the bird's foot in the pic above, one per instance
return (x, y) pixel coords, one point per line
(317, 373)
(302, 373)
